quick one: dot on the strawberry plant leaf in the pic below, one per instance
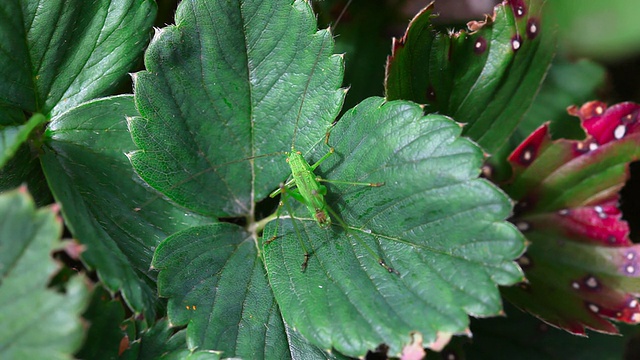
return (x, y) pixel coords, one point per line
(223, 295)
(56, 55)
(86, 167)
(418, 223)
(217, 114)
(223, 306)
(43, 323)
(581, 267)
(485, 77)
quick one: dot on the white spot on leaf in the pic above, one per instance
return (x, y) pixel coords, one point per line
(619, 132)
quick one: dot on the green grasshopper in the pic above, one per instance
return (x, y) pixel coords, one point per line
(305, 187)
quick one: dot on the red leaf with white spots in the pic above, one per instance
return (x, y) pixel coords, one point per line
(581, 267)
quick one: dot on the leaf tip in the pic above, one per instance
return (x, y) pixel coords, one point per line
(74, 249)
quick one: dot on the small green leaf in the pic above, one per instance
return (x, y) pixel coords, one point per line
(39, 323)
(12, 137)
(86, 166)
(222, 294)
(486, 77)
(224, 297)
(57, 54)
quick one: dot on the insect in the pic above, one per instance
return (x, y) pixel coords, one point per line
(305, 187)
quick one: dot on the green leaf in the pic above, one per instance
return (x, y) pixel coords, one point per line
(12, 137)
(217, 114)
(486, 77)
(224, 297)
(85, 164)
(43, 323)
(222, 294)
(57, 54)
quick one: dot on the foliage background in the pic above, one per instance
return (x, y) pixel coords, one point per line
(364, 35)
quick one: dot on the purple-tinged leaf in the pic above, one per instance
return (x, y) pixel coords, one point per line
(581, 267)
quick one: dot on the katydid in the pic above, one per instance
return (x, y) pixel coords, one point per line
(304, 186)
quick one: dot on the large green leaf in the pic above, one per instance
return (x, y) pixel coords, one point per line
(433, 221)
(38, 323)
(57, 54)
(229, 89)
(89, 174)
(486, 77)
